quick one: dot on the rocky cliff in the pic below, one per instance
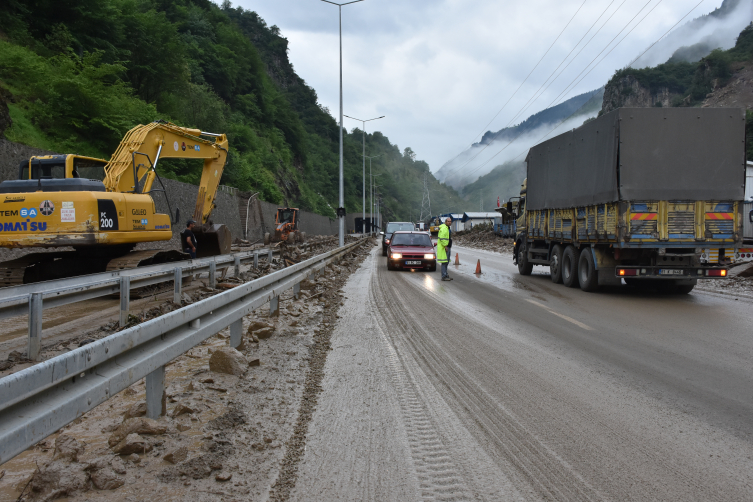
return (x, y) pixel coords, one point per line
(628, 92)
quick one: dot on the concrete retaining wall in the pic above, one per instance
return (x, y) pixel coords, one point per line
(11, 155)
(261, 219)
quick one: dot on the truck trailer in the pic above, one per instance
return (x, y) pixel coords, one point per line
(651, 196)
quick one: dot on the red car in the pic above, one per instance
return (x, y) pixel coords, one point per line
(411, 250)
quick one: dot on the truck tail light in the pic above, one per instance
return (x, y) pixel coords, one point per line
(717, 273)
(623, 272)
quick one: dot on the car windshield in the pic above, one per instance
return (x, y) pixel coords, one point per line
(395, 227)
(411, 240)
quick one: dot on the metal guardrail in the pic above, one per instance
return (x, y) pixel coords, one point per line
(31, 299)
(37, 401)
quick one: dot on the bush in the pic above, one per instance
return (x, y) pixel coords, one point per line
(75, 101)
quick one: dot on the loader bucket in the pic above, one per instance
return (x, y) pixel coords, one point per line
(212, 240)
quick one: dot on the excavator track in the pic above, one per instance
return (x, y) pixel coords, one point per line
(37, 267)
(136, 259)
(12, 272)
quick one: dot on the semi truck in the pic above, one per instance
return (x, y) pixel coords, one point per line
(651, 196)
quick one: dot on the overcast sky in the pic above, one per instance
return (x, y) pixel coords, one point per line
(441, 69)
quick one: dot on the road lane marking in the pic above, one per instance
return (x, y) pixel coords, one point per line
(570, 319)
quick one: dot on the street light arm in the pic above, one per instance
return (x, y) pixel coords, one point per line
(362, 120)
(341, 4)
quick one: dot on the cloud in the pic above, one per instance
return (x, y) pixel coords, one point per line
(439, 70)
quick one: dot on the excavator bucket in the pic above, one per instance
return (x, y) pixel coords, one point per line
(212, 240)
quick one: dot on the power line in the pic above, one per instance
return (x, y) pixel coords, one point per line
(584, 76)
(605, 48)
(534, 94)
(672, 28)
(576, 111)
(524, 80)
(581, 50)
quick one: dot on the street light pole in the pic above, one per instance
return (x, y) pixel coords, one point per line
(341, 209)
(363, 190)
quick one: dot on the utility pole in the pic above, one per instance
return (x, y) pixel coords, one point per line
(363, 192)
(378, 205)
(425, 201)
(341, 208)
(371, 193)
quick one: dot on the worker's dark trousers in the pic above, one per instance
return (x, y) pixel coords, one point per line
(444, 270)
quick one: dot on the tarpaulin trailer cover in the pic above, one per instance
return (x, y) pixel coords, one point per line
(641, 154)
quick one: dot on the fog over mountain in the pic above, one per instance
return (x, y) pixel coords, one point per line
(512, 143)
(697, 38)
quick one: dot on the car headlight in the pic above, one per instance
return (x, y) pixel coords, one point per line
(429, 257)
(396, 256)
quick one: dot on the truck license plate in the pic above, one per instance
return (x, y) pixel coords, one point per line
(413, 262)
(670, 271)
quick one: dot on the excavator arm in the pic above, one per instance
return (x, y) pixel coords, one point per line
(132, 167)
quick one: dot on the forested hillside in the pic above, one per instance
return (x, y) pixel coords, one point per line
(77, 74)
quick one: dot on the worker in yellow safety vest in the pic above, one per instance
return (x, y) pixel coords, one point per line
(443, 240)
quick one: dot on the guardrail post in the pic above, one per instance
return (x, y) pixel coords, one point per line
(212, 274)
(236, 333)
(297, 290)
(156, 404)
(256, 261)
(125, 300)
(35, 326)
(269, 257)
(178, 278)
(274, 307)
(237, 266)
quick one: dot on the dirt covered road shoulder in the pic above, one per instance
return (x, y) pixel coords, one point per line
(234, 418)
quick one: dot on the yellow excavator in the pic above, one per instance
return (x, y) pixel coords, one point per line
(104, 209)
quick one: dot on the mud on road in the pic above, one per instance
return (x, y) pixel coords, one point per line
(224, 436)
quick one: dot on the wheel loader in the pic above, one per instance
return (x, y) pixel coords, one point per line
(103, 209)
(286, 227)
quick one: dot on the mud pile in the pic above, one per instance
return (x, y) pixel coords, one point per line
(194, 290)
(482, 237)
(235, 420)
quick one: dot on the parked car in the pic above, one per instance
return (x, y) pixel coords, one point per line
(392, 227)
(411, 250)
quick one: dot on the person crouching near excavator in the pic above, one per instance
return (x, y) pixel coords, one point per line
(443, 241)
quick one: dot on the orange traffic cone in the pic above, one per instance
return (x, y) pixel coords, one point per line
(478, 267)
(457, 260)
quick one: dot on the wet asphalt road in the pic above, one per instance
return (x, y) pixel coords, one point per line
(503, 387)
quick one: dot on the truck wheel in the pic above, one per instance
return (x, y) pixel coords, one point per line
(555, 264)
(587, 274)
(267, 239)
(384, 251)
(570, 267)
(524, 268)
